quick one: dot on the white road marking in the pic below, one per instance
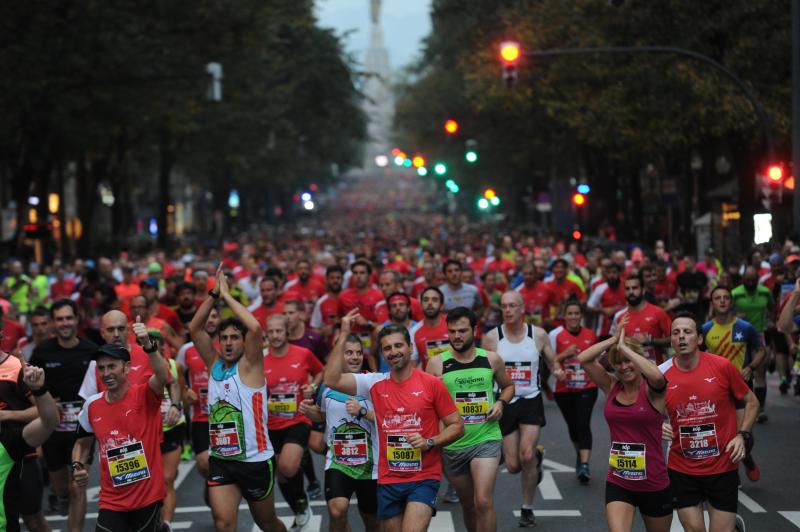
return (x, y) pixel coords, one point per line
(181, 525)
(750, 504)
(548, 488)
(793, 517)
(184, 468)
(315, 523)
(442, 522)
(552, 513)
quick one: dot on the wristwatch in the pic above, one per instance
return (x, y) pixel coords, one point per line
(431, 443)
(362, 412)
(76, 465)
(213, 294)
(153, 348)
(745, 434)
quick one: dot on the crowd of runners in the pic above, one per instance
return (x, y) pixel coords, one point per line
(401, 362)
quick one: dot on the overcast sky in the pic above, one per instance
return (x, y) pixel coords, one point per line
(405, 23)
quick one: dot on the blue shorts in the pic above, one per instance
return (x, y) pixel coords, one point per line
(392, 498)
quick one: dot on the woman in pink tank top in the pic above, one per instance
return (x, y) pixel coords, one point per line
(634, 409)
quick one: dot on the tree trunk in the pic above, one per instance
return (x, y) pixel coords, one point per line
(166, 162)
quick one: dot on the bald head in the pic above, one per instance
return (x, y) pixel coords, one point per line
(114, 328)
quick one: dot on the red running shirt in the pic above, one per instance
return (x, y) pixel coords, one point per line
(429, 341)
(650, 320)
(365, 303)
(129, 434)
(189, 358)
(576, 379)
(403, 408)
(702, 412)
(262, 313)
(285, 377)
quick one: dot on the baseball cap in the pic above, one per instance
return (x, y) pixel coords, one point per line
(792, 258)
(113, 351)
(149, 282)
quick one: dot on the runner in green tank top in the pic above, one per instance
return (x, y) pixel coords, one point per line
(471, 462)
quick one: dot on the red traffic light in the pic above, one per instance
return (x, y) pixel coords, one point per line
(578, 199)
(451, 126)
(510, 52)
(775, 173)
(576, 235)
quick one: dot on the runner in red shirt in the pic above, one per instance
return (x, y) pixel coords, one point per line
(271, 301)
(363, 298)
(114, 330)
(126, 421)
(140, 307)
(189, 359)
(429, 336)
(13, 332)
(538, 297)
(606, 300)
(428, 278)
(304, 287)
(409, 406)
(391, 282)
(702, 390)
(576, 394)
(562, 287)
(326, 314)
(648, 324)
(293, 373)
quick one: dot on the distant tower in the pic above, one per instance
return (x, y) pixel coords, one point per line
(379, 104)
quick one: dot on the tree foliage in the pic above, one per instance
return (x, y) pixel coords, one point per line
(117, 90)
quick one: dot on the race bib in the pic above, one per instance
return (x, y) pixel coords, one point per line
(401, 456)
(224, 439)
(203, 398)
(282, 404)
(472, 406)
(350, 448)
(127, 464)
(699, 441)
(627, 461)
(521, 372)
(68, 416)
(575, 376)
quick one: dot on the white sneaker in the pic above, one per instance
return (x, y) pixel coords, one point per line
(301, 520)
(739, 524)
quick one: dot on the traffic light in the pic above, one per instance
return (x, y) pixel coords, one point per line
(510, 54)
(440, 168)
(451, 127)
(578, 199)
(422, 171)
(471, 153)
(483, 204)
(577, 235)
(489, 193)
(775, 174)
(418, 161)
(772, 183)
(452, 186)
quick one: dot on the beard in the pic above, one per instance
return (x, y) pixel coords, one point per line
(464, 347)
(613, 283)
(634, 301)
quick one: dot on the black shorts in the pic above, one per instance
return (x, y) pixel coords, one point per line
(298, 434)
(338, 484)
(777, 340)
(147, 519)
(199, 436)
(24, 487)
(522, 412)
(173, 439)
(650, 503)
(721, 490)
(57, 450)
(254, 479)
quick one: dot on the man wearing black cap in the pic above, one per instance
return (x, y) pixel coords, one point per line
(126, 421)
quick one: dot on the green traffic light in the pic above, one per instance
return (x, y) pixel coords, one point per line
(440, 168)
(407, 163)
(483, 204)
(471, 156)
(422, 171)
(452, 186)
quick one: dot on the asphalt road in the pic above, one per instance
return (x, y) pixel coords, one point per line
(561, 503)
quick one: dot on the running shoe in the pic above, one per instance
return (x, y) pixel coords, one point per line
(762, 417)
(751, 469)
(451, 495)
(301, 520)
(186, 454)
(58, 505)
(527, 519)
(583, 474)
(166, 527)
(739, 527)
(314, 490)
(539, 458)
(784, 386)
